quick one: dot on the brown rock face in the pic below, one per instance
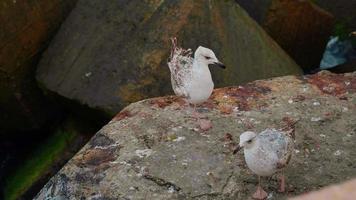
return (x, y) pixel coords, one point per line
(300, 27)
(111, 53)
(153, 149)
(26, 27)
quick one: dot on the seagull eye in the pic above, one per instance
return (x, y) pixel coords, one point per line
(207, 57)
(249, 141)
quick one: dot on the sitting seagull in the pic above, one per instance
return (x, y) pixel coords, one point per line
(190, 77)
(266, 153)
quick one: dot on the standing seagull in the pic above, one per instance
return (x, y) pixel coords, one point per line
(266, 153)
(190, 77)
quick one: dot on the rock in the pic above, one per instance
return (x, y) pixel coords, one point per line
(301, 28)
(257, 9)
(343, 191)
(346, 67)
(153, 150)
(25, 30)
(108, 54)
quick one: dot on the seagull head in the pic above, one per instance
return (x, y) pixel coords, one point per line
(247, 139)
(207, 56)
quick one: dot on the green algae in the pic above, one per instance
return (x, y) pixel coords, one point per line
(38, 164)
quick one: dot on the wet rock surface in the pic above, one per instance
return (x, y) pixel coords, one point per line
(153, 149)
(108, 54)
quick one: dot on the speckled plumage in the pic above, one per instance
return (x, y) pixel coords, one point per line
(191, 77)
(180, 66)
(268, 152)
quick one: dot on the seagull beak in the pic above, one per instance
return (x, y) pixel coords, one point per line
(237, 149)
(219, 64)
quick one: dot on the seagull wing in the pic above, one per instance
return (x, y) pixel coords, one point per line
(280, 143)
(180, 65)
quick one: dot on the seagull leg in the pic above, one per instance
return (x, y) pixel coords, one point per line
(260, 194)
(282, 186)
(195, 113)
(203, 124)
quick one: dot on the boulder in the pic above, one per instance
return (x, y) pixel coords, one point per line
(154, 149)
(301, 28)
(108, 54)
(26, 27)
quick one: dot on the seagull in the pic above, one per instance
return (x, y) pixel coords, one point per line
(191, 77)
(267, 153)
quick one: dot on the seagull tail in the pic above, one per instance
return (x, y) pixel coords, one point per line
(174, 47)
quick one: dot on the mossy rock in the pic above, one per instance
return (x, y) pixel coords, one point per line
(111, 53)
(48, 156)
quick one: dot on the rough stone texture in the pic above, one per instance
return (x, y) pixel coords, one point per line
(110, 53)
(344, 191)
(25, 29)
(301, 28)
(153, 149)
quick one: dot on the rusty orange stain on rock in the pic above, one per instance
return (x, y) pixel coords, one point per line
(225, 109)
(122, 115)
(163, 102)
(95, 157)
(243, 96)
(333, 84)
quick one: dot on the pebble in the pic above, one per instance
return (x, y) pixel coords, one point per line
(337, 153)
(315, 119)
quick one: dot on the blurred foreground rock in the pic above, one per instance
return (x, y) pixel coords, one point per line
(344, 191)
(153, 149)
(300, 27)
(111, 53)
(26, 27)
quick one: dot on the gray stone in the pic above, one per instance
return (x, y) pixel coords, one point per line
(111, 53)
(153, 149)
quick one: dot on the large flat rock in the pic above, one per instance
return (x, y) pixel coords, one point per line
(153, 149)
(111, 53)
